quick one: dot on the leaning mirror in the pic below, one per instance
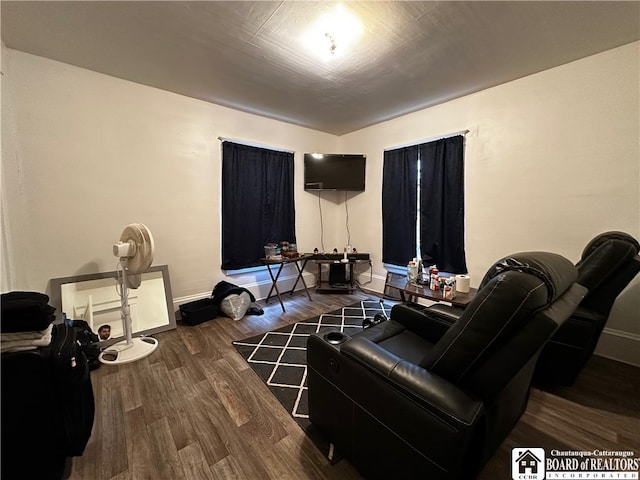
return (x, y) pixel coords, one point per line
(95, 298)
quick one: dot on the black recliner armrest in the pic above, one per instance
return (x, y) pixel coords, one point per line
(435, 394)
(423, 321)
(445, 312)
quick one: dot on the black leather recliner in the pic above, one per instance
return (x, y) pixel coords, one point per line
(420, 396)
(608, 263)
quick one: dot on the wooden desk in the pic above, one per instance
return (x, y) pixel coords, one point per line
(413, 290)
(324, 286)
(304, 258)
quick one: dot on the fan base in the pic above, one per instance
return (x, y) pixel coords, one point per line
(124, 352)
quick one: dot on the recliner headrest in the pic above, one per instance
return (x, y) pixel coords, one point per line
(605, 255)
(610, 238)
(535, 291)
(557, 273)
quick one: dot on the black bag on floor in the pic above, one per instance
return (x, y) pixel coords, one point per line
(47, 407)
(198, 311)
(88, 342)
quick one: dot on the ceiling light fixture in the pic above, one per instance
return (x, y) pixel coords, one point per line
(331, 35)
(332, 43)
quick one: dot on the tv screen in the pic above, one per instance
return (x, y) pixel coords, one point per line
(334, 171)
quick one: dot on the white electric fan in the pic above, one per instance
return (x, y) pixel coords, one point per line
(135, 250)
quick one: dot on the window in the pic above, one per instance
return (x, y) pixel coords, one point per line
(257, 203)
(423, 204)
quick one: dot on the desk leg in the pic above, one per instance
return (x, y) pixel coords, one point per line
(274, 285)
(300, 277)
(351, 275)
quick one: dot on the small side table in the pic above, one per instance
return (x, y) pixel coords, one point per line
(413, 290)
(297, 261)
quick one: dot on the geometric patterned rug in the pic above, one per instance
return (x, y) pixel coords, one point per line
(279, 357)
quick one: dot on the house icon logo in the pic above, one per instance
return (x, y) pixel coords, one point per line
(527, 464)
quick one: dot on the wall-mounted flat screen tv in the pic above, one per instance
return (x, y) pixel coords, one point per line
(334, 171)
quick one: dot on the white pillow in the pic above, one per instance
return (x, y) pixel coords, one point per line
(235, 305)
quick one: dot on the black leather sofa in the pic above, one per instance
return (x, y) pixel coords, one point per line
(608, 264)
(421, 396)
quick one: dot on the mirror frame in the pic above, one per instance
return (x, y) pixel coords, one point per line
(55, 299)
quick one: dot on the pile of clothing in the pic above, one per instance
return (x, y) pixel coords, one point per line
(46, 396)
(226, 299)
(26, 322)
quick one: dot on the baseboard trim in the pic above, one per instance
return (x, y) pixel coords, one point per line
(258, 289)
(189, 298)
(619, 345)
(620, 333)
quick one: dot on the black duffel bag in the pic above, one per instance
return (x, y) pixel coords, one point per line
(198, 311)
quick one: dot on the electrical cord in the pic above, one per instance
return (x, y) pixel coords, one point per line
(119, 279)
(356, 282)
(346, 208)
(321, 223)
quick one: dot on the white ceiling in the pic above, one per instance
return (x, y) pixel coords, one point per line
(249, 55)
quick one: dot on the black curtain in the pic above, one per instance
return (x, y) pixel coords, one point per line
(442, 204)
(257, 203)
(399, 205)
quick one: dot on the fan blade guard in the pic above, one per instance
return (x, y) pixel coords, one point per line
(140, 236)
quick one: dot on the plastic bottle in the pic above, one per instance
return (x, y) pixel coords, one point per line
(412, 271)
(433, 284)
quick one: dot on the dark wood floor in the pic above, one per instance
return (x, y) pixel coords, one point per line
(195, 410)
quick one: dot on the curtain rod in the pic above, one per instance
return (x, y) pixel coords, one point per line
(253, 144)
(426, 140)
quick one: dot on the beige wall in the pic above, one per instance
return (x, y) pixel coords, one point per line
(84, 154)
(551, 160)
